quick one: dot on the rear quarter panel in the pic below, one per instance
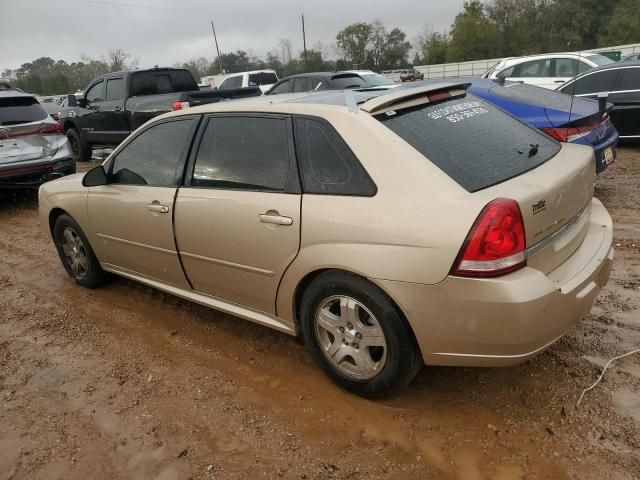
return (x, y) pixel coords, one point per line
(410, 231)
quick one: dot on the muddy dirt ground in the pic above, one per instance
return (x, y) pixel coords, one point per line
(126, 382)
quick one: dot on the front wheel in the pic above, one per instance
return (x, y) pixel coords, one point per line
(80, 149)
(76, 254)
(357, 336)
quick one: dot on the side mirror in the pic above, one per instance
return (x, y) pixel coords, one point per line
(95, 177)
(72, 101)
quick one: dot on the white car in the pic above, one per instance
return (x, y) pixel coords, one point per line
(264, 79)
(547, 71)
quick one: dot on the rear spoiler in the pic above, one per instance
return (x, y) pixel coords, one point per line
(410, 97)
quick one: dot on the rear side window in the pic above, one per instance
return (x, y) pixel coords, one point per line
(569, 67)
(534, 68)
(17, 110)
(475, 143)
(246, 153)
(262, 78)
(155, 157)
(603, 81)
(281, 88)
(328, 165)
(162, 81)
(231, 82)
(630, 79)
(114, 89)
(347, 81)
(301, 85)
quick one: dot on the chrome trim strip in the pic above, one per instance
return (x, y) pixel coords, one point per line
(498, 357)
(136, 244)
(210, 301)
(544, 243)
(224, 263)
(629, 136)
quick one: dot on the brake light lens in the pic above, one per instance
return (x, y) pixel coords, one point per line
(180, 105)
(51, 129)
(571, 134)
(496, 244)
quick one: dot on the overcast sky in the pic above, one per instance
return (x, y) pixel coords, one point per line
(161, 32)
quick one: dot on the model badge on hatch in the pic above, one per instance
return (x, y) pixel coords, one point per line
(539, 206)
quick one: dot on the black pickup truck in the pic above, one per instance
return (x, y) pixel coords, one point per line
(115, 104)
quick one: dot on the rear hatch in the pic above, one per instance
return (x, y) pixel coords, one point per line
(22, 122)
(491, 155)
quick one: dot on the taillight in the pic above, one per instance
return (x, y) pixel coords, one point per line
(571, 134)
(496, 244)
(51, 129)
(180, 105)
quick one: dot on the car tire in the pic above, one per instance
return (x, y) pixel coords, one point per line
(76, 253)
(337, 301)
(80, 149)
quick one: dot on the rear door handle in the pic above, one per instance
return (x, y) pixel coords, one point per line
(275, 219)
(118, 108)
(157, 208)
(559, 81)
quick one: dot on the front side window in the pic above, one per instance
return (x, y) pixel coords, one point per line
(114, 89)
(155, 157)
(328, 165)
(246, 153)
(96, 93)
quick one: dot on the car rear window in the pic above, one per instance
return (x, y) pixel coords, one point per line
(475, 143)
(347, 81)
(162, 81)
(17, 110)
(262, 78)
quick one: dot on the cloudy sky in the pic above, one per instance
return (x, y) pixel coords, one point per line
(164, 31)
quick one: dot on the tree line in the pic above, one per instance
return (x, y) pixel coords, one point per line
(505, 28)
(489, 29)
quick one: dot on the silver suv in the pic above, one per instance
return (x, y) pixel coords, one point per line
(33, 147)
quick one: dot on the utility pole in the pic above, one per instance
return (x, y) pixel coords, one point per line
(304, 45)
(215, 39)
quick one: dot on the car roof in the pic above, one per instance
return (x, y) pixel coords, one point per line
(13, 92)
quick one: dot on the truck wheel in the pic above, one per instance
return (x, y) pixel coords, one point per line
(81, 151)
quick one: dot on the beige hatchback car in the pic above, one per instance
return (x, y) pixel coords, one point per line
(388, 229)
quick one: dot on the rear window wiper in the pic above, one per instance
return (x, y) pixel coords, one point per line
(533, 150)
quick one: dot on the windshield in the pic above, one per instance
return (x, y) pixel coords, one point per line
(262, 78)
(16, 110)
(376, 80)
(600, 59)
(475, 143)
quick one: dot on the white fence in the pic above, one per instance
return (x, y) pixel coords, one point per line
(476, 68)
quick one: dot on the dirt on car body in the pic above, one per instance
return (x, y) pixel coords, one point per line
(127, 382)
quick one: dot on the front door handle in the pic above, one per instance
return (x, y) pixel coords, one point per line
(275, 219)
(118, 108)
(157, 208)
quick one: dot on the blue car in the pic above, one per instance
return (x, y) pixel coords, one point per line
(548, 111)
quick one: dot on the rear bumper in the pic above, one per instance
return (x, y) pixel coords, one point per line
(33, 173)
(506, 320)
(599, 149)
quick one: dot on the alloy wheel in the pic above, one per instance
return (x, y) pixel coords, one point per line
(75, 252)
(350, 337)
